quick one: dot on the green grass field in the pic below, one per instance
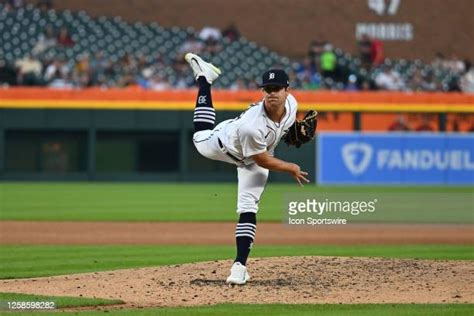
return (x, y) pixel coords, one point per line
(283, 310)
(207, 202)
(59, 301)
(202, 202)
(33, 261)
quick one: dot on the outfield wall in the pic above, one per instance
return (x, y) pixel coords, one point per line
(112, 145)
(133, 134)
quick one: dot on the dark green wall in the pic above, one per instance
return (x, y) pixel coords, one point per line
(153, 146)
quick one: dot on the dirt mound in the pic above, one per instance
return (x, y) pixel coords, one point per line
(273, 280)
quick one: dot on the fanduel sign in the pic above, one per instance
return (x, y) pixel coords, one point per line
(396, 158)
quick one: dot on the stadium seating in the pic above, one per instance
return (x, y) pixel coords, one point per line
(115, 37)
(244, 59)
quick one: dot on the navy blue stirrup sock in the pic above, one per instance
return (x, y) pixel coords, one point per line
(204, 113)
(244, 236)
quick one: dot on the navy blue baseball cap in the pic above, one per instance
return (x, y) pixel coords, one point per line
(275, 77)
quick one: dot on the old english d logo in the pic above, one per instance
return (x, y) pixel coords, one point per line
(350, 154)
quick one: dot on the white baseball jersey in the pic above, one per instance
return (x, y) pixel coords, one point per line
(235, 141)
(253, 132)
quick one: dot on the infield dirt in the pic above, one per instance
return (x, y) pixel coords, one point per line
(273, 280)
(126, 233)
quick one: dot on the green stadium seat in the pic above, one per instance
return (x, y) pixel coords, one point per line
(117, 37)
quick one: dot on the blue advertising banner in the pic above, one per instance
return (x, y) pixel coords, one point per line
(395, 158)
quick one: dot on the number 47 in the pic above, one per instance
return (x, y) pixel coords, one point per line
(380, 6)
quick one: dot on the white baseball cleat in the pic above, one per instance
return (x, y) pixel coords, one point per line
(202, 68)
(238, 274)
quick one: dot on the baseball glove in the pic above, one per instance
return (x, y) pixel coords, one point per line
(302, 131)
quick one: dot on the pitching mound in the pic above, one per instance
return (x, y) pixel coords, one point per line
(273, 280)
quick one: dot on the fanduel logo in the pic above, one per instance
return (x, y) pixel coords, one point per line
(350, 153)
(358, 156)
(424, 159)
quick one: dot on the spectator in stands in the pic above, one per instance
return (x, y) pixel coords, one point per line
(471, 127)
(466, 82)
(422, 80)
(142, 61)
(400, 125)
(124, 81)
(46, 40)
(29, 71)
(352, 83)
(7, 74)
(364, 46)
(304, 66)
(455, 65)
(416, 81)
(211, 37)
(316, 48)
(376, 52)
(429, 83)
(306, 76)
(304, 70)
(144, 80)
(425, 125)
(57, 68)
(328, 62)
(101, 67)
(389, 79)
(159, 83)
(9, 5)
(212, 47)
(455, 125)
(209, 32)
(191, 44)
(366, 85)
(371, 52)
(438, 62)
(152, 78)
(6, 6)
(129, 65)
(82, 71)
(231, 32)
(311, 81)
(253, 85)
(182, 79)
(157, 61)
(44, 5)
(239, 84)
(61, 80)
(155, 66)
(64, 38)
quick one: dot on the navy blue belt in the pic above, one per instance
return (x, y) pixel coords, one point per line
(224, 150)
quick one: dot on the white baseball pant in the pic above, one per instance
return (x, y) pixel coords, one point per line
(252, 178)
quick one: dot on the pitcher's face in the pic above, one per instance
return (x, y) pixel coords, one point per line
(275, 96)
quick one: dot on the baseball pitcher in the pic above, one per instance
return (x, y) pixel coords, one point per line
(249, 142)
